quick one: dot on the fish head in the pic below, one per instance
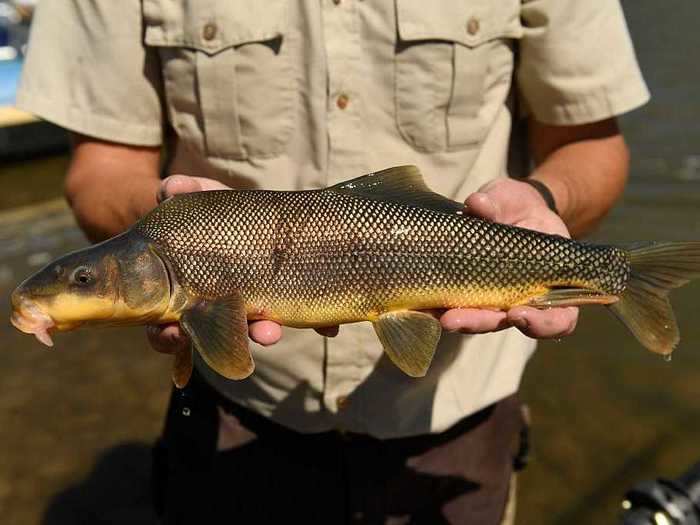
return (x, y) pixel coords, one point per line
(120, 281)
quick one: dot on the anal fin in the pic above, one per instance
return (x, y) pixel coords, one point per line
(571, 297)
(219, 330)
(410, 339)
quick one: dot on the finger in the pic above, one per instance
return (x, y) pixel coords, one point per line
(206, 184)
(328, 331)
(545, 221)
(481, 205)
(176, 184)
(166, 338)
(544, 324)
(265, 333)
(473, 321)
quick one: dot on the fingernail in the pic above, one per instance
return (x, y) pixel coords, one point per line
(520, 322)
(175, 339)
(453, 326)
(162, 195)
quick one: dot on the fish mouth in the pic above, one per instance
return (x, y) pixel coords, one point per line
(28, 317)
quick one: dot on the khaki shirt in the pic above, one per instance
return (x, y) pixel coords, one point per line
(294, 95)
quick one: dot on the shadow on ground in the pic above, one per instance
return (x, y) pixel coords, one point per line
(116, 491)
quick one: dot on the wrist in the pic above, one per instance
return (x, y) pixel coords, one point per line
(544, 191)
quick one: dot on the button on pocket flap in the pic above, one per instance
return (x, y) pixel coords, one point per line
(212, 25)
(469, 22)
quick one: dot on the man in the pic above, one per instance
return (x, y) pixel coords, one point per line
(294, 95)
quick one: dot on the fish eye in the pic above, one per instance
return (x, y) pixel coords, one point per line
(82, 276)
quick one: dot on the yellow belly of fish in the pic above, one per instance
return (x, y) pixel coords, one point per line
(355, 308)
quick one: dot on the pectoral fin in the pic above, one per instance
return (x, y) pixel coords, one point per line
(409, 339)
(219, 331)
(182, 369)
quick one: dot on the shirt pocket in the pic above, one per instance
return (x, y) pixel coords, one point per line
(453, 69)
(228, 73)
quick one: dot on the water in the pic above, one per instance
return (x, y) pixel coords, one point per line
(94, 400)
(605, 412)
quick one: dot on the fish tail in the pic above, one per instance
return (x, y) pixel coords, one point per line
(644, 307)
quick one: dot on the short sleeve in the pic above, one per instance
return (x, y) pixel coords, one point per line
(577, 62)
(87, 70)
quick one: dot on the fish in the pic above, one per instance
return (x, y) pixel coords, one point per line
(382, 248)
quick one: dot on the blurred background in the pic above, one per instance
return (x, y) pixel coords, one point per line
(76, 423)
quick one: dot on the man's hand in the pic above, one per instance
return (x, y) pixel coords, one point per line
(512, 202)
(169, 338)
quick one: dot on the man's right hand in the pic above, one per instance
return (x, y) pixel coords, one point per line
(168, 338)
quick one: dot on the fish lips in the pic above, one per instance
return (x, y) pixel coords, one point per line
(28, 317)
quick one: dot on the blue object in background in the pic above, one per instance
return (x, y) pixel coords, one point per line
(4, 35)
(14, 32)
(21, 135)
(10, 71)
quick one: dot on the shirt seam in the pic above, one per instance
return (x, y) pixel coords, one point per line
(594, 105)
(87, 122)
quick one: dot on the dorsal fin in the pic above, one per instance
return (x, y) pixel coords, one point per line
(401, 184)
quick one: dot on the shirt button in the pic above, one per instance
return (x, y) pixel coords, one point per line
(342, 101)
(473, 26)
(341, 402)
(209, 31)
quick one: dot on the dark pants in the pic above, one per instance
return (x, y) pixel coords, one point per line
(459, 476)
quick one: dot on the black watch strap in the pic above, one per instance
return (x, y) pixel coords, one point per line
(543, 190)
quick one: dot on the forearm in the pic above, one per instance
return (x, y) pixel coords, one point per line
(109, 186)
(585, 167)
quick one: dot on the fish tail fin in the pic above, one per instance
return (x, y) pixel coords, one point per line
(644, 306)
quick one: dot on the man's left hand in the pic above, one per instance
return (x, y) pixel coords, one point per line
(513, 202)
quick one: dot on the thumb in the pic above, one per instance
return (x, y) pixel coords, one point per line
(482, 205)
(176, 184)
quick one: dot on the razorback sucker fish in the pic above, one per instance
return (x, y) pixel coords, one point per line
(381, 248)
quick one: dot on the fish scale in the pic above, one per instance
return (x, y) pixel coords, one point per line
(320, 256)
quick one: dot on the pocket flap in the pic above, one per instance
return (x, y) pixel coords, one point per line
(212, 25)
(469, 22)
